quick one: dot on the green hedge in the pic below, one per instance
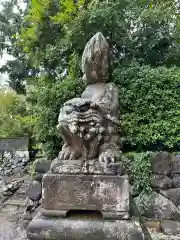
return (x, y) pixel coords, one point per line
(48, 97)
(150, 107)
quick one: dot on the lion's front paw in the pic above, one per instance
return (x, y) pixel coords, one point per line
(68, 154)
(108, 157)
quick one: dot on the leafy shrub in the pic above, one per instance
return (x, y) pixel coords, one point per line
(48, 97)
(150, 106)
(138, 166)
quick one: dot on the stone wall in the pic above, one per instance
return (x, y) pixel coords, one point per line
(34, 191)
(14, 154)
(14, 165)
(161, 208)
(14, 144)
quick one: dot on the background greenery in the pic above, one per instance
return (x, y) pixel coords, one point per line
(47, 42)
(15, 120)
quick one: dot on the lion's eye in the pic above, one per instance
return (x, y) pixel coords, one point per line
(68, 110)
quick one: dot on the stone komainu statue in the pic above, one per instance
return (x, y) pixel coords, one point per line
(89, 125)
(84, 182)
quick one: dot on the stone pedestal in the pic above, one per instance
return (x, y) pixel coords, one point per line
(105, 193)
(80, 229)
(80, 204)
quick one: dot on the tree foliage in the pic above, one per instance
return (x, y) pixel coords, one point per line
(14, 118)
(53, 37)
(18, 68)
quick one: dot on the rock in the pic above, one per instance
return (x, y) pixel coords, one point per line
(30, 205)
(25, 160)
(42, 166)
(170, 227)
(172, 194)
(176, 180)
(34, 191)
(156, 206)
(9, 186)
(7, 194)
(7, 156)
(20, 164)
(38, 177)
(22, 154)
(176, 165)
(162, 163)
(154, 226)
(23, 188)
(133, 191)
(161, 236)
(17, 170)
(2, 186)
(25, 224)
(7, 172)
(2, 199)
(27, 216)
(161, 182)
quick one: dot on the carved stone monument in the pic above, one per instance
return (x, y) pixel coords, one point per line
(85, 194)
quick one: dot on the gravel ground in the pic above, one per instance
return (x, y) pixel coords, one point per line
(10, 230)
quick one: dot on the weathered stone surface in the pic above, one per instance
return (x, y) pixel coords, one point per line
(38, 177)
(2, 185)
(30, 205)
(23, 188)
(12, 187)
(2, 199)
(157, 206)
(29, 215)
(153, 226)
(172, 194)
(86, 177)
(133, 191)
(85, 167)
(170, 227)
(176, 180)
(162, 163)
(59, 228)
(23, 155)
(31, 209)
(106, 193)
(89, 125)
(11, 144)
(176, 165)
(42, 165)
(161, 182)
(10, 230)
(14, 162)
(161, 236)
(95, 59)
(34, 191)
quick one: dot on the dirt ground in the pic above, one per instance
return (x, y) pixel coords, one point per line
(10, 229)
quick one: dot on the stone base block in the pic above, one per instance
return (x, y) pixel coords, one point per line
(42, 228)
(105, 193)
